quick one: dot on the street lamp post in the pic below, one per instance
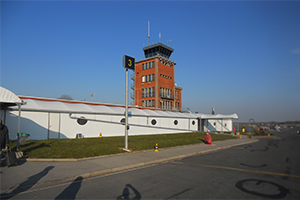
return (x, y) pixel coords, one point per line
(128, 63)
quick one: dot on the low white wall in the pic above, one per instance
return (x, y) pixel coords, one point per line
(44, 125)
(219, 125)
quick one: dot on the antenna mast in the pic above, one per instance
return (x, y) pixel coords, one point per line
(148, 32)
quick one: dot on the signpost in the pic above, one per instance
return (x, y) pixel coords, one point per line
(128, 63)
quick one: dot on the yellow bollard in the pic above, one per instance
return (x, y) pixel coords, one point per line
(269, 134)
(100, 136)
(156, 148)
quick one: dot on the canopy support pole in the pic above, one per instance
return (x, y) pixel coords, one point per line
(19, 119)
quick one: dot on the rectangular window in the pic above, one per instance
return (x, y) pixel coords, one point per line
(149, 77)
(153, 64)
(153, 92)
(143, 103)
(153, 103)
(143, 93)
(150, 65)
(152, 77)
(143, 66)
(146, 65)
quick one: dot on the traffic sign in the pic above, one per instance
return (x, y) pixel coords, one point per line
(128, 62)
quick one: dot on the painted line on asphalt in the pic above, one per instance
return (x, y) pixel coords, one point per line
(238, 169)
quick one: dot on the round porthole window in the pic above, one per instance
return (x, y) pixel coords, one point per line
(175, 122)
(214, 123)
(193, 122)
(122, 121)
(82, 121)
(153, 122)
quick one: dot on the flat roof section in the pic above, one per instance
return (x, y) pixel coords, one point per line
(158, 49)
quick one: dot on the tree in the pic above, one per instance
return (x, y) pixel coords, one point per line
(66, 97)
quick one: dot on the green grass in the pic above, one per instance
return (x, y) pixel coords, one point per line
(90, 147)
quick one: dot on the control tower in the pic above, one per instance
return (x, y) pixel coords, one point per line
(154, 79)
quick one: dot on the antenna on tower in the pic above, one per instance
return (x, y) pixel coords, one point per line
(159, 36)
(148, 32)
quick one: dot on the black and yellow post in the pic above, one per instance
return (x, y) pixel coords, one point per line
(156, 148)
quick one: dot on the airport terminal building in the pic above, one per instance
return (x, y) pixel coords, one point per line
(157, 108)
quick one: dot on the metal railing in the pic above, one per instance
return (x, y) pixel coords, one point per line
(166, 96)
(132, 76)
(132, 95)
(132, 86)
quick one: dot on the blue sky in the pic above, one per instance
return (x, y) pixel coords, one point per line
(236, 56)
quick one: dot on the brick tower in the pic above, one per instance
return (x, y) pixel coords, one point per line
(154, 79)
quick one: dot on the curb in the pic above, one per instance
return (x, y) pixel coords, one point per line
(258, 137)
(124, 168)
(117, 169)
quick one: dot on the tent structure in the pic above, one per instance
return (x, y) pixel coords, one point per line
(8, 99)
(45, 118)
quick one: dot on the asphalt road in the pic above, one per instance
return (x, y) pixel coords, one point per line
(269, 168)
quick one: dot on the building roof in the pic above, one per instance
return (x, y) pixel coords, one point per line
(158, 49)
(8, 98)
(66, 106)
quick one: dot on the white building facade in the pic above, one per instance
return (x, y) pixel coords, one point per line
(45, 118)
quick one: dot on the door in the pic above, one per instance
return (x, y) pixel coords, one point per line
(53, 125)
